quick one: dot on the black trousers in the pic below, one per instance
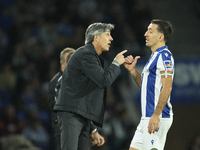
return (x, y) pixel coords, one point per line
(56, 130)
(74, 131)
(57, 136)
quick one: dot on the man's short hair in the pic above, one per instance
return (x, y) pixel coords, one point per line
(64, 51)
(69, 55)
(96, 29)
(164, 27)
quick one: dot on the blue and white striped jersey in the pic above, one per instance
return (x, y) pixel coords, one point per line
(160, 64)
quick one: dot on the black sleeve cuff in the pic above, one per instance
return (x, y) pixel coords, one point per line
(93, 128)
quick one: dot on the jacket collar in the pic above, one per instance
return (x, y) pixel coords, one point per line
(93, 49)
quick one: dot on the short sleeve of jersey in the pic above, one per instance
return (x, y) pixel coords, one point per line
(165, 64)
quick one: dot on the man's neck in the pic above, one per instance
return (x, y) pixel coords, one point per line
(154, 48)
(97, 48)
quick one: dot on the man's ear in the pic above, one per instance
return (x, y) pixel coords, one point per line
(96, 38)
(61, 63)
(162, 37)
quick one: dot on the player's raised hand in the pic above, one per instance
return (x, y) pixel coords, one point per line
(130, 62)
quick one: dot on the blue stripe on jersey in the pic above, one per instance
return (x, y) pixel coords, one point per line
(166, 111)
(150, 97)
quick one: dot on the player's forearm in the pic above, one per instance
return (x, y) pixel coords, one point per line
(136, 76)
(163, 98)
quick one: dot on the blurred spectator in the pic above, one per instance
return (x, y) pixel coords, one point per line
(16, 142)
(8, 77)
(117, 126)
(6, 19)
(8, 81)
(48, 34)
(19, 58)
(140, 16)
(6, 3)
(4, 43)
(9, 123)
(126, 90)
(86, 7)
(130, 41)
(35, 131)
(195, 145)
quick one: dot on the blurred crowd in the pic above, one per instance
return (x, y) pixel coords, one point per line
(32, 35)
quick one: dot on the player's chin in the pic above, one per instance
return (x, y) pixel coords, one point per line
(147, 44)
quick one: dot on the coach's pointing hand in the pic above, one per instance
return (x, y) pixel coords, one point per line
(119, 59)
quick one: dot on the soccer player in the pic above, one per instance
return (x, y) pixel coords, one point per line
(155, 84)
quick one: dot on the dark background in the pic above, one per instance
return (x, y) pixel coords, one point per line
(34, 32)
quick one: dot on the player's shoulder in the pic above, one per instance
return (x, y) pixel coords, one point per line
(167, 58)
(166, 54)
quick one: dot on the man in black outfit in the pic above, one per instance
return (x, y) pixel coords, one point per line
(54, 86)
(83, 87)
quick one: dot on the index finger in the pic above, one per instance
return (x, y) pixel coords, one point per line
(124, 51)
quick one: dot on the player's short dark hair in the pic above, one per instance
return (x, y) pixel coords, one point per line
(164, 27)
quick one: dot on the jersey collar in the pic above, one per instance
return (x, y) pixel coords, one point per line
(161, 48)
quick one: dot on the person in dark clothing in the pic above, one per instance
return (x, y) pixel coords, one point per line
(83, 87)
(54, 87)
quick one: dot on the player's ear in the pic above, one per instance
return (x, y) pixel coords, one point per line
(162, 37)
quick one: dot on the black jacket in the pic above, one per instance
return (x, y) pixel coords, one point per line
(53, 89)
(52, 96)
(84, 83)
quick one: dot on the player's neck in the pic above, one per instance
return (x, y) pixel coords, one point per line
(155, 47)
